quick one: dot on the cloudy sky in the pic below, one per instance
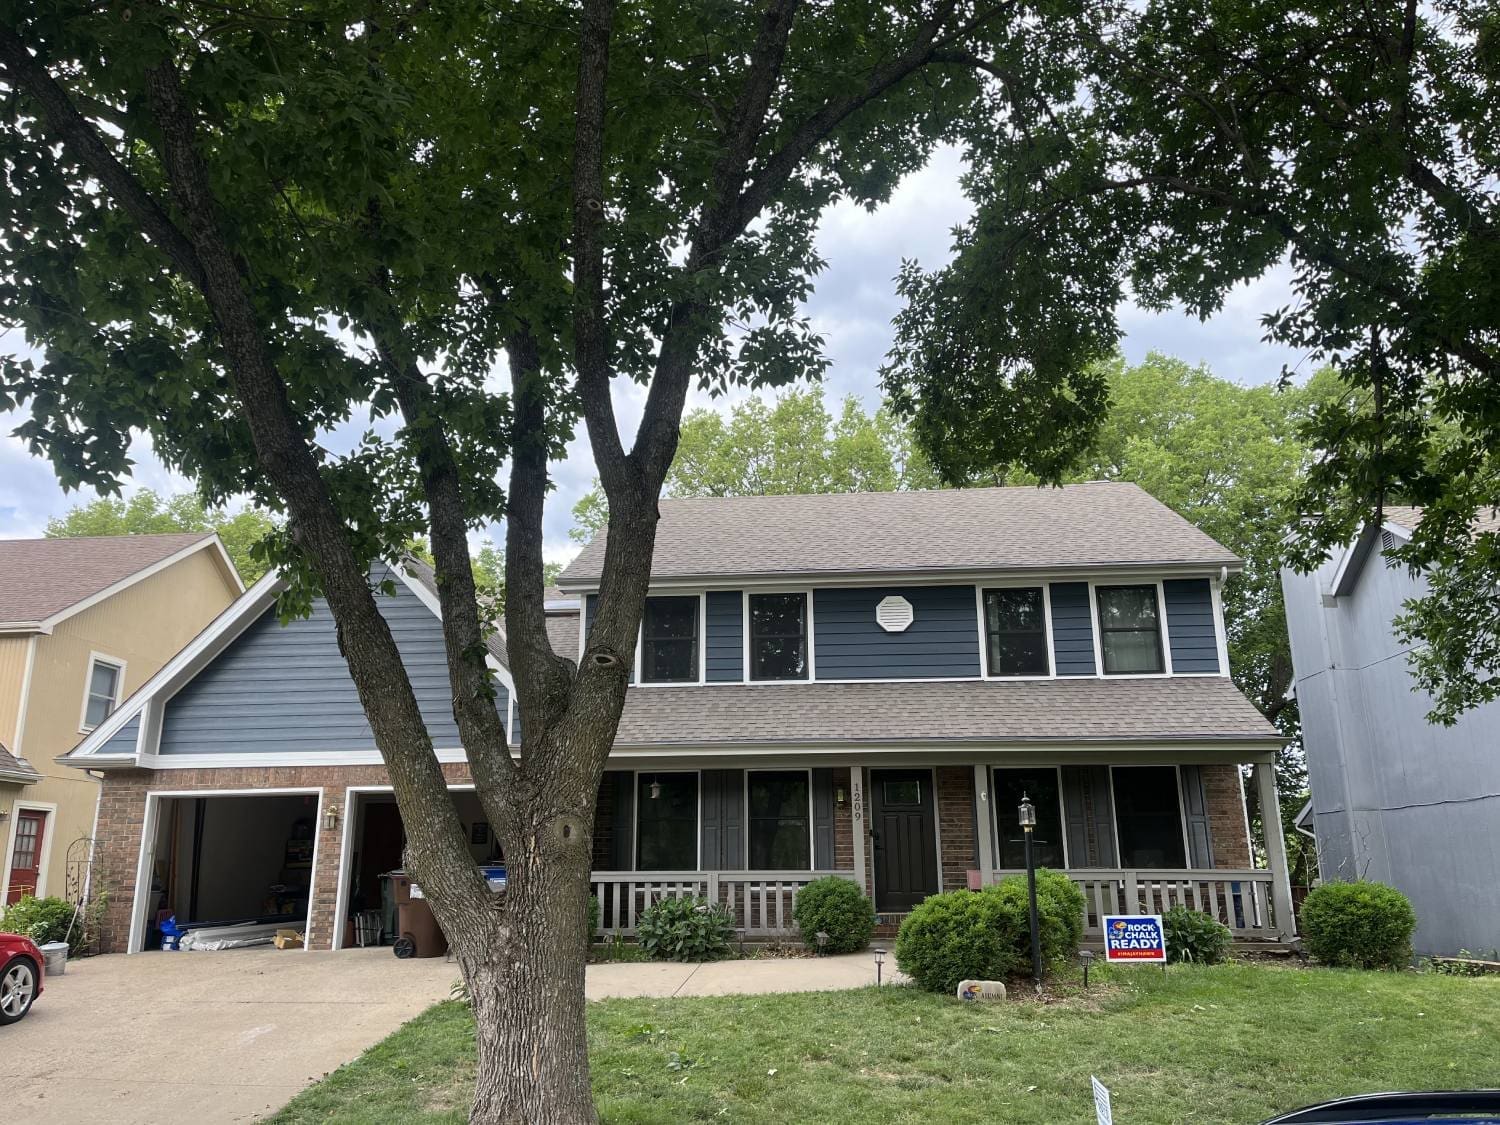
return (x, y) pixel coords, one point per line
(852, 307)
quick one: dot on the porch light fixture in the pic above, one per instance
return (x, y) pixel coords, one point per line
(331, 818)
(879, 964)
(656, 790)
(1027, 816)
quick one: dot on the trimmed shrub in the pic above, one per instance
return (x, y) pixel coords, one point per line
(986, 934)
(685, 929)
(1359, 925)
(43, 920)
(593, 917)
(840, 909)
(1193, 936)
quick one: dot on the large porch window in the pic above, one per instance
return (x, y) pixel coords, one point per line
(1041, 785)
(780, 820)
(1148, 816)
(666, 832)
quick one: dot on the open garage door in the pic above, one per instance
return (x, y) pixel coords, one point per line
(377, 840)
(231, 861)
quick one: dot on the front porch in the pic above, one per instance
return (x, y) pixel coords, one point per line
(905, 832)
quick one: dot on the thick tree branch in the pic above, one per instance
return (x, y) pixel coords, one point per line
(81, 139)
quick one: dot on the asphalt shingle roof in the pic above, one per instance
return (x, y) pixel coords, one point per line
(14, 769)
(43, 577)
(1080, 525)
(1081, 710)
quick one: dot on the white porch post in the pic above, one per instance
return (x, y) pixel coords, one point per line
(984, 817)
(857, 823)
(1270, 819)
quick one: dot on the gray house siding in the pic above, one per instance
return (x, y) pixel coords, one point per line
(942, 640)
(1395, 798)
(1190, 625)
(724, 636)
(123, 740)
(1072, 628)
(286, 689)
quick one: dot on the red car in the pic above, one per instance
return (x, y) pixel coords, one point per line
(20, 976)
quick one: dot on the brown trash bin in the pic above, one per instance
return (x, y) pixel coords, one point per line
(417, 932)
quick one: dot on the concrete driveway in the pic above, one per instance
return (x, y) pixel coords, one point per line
(189, 1037)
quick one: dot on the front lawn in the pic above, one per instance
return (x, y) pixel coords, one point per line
(1231, 1044)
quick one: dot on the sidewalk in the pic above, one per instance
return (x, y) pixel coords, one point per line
(728, 978)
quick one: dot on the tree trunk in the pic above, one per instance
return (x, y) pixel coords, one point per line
(524, 965)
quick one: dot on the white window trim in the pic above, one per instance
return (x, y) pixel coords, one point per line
(1062, 810)
(812, 837)
(48, 809)
(812, 648)
(1114, 811)
(984, 639)
(635, 819)
(88, 682)
(1163, 636)
(700, 639)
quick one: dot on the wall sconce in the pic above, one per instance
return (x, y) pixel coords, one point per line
(331, 818)
(655, 790)
(839, 796)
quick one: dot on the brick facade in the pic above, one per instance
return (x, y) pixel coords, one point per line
(955, 813)
(1224, 797)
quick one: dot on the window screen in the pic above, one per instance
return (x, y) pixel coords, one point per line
(1148, 817)
(1015, 625)
(780, 839)
(666, 832)
(1047, 838)
(778, 636)
(1129, 629)
(669, 641)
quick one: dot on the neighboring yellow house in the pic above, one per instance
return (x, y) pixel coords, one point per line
(83, 623)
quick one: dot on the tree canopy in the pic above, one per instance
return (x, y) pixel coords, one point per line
(144, 512)
(789, 444)
(1178, 148)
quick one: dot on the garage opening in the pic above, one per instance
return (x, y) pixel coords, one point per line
(377, 842)
(231, 863)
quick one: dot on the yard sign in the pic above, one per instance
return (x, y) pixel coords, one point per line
(1104, 1111)
(1135, 937)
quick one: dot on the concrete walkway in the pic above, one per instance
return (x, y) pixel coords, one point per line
(232, 1036)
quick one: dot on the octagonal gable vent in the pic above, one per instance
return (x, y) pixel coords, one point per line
(894, 614)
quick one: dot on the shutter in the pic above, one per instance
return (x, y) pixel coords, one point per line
(624, 839)
(1195, 812)
(723, 820)
(590, 605)
(822, 803)
(1088, 816)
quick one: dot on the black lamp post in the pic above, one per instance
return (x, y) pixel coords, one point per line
(1028, 824)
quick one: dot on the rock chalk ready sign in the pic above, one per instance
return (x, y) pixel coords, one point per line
(1135, 938)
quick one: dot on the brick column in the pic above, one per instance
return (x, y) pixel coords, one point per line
(955, 811)
(327, 870)
(1224, 797)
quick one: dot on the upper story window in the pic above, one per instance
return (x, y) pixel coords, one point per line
(102, 692)
(1015, 630)
(778, 637)
(669, 641)
(1129, 629)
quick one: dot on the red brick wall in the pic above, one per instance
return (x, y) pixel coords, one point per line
(955, 812)
(1225, 800)
(843, 822)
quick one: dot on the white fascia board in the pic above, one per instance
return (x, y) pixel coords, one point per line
(184, 666)
(931, 577)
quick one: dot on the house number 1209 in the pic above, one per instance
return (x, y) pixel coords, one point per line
(859, 801)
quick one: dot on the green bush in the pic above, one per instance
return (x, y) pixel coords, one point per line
(1360, 925)
(684, 929)
(43, 920)
(1193, 936)
(986, 934)
(593, 918)
(840, 909)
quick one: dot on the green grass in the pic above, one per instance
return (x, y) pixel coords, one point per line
(1233, 1043)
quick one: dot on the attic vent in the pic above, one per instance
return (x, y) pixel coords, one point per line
(894, 614)
(1387, 541)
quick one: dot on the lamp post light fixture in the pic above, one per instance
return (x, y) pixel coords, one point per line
(1027, 813)
(1087, 956)
(879, 963)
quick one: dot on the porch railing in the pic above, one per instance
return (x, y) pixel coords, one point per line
(760, 901)
(1241, 899)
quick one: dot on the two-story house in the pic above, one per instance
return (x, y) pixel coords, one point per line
(83, 623)
(863, 685)
(1395, 798)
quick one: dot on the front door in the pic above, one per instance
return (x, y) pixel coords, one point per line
(902, 830)
(26, 856)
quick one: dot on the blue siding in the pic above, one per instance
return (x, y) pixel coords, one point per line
(725, 636)
(286, 688)
(123, 740)
(1072, 629)
(1190, 625)
(943, 639)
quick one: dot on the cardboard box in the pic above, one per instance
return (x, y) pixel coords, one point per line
(288, 939)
